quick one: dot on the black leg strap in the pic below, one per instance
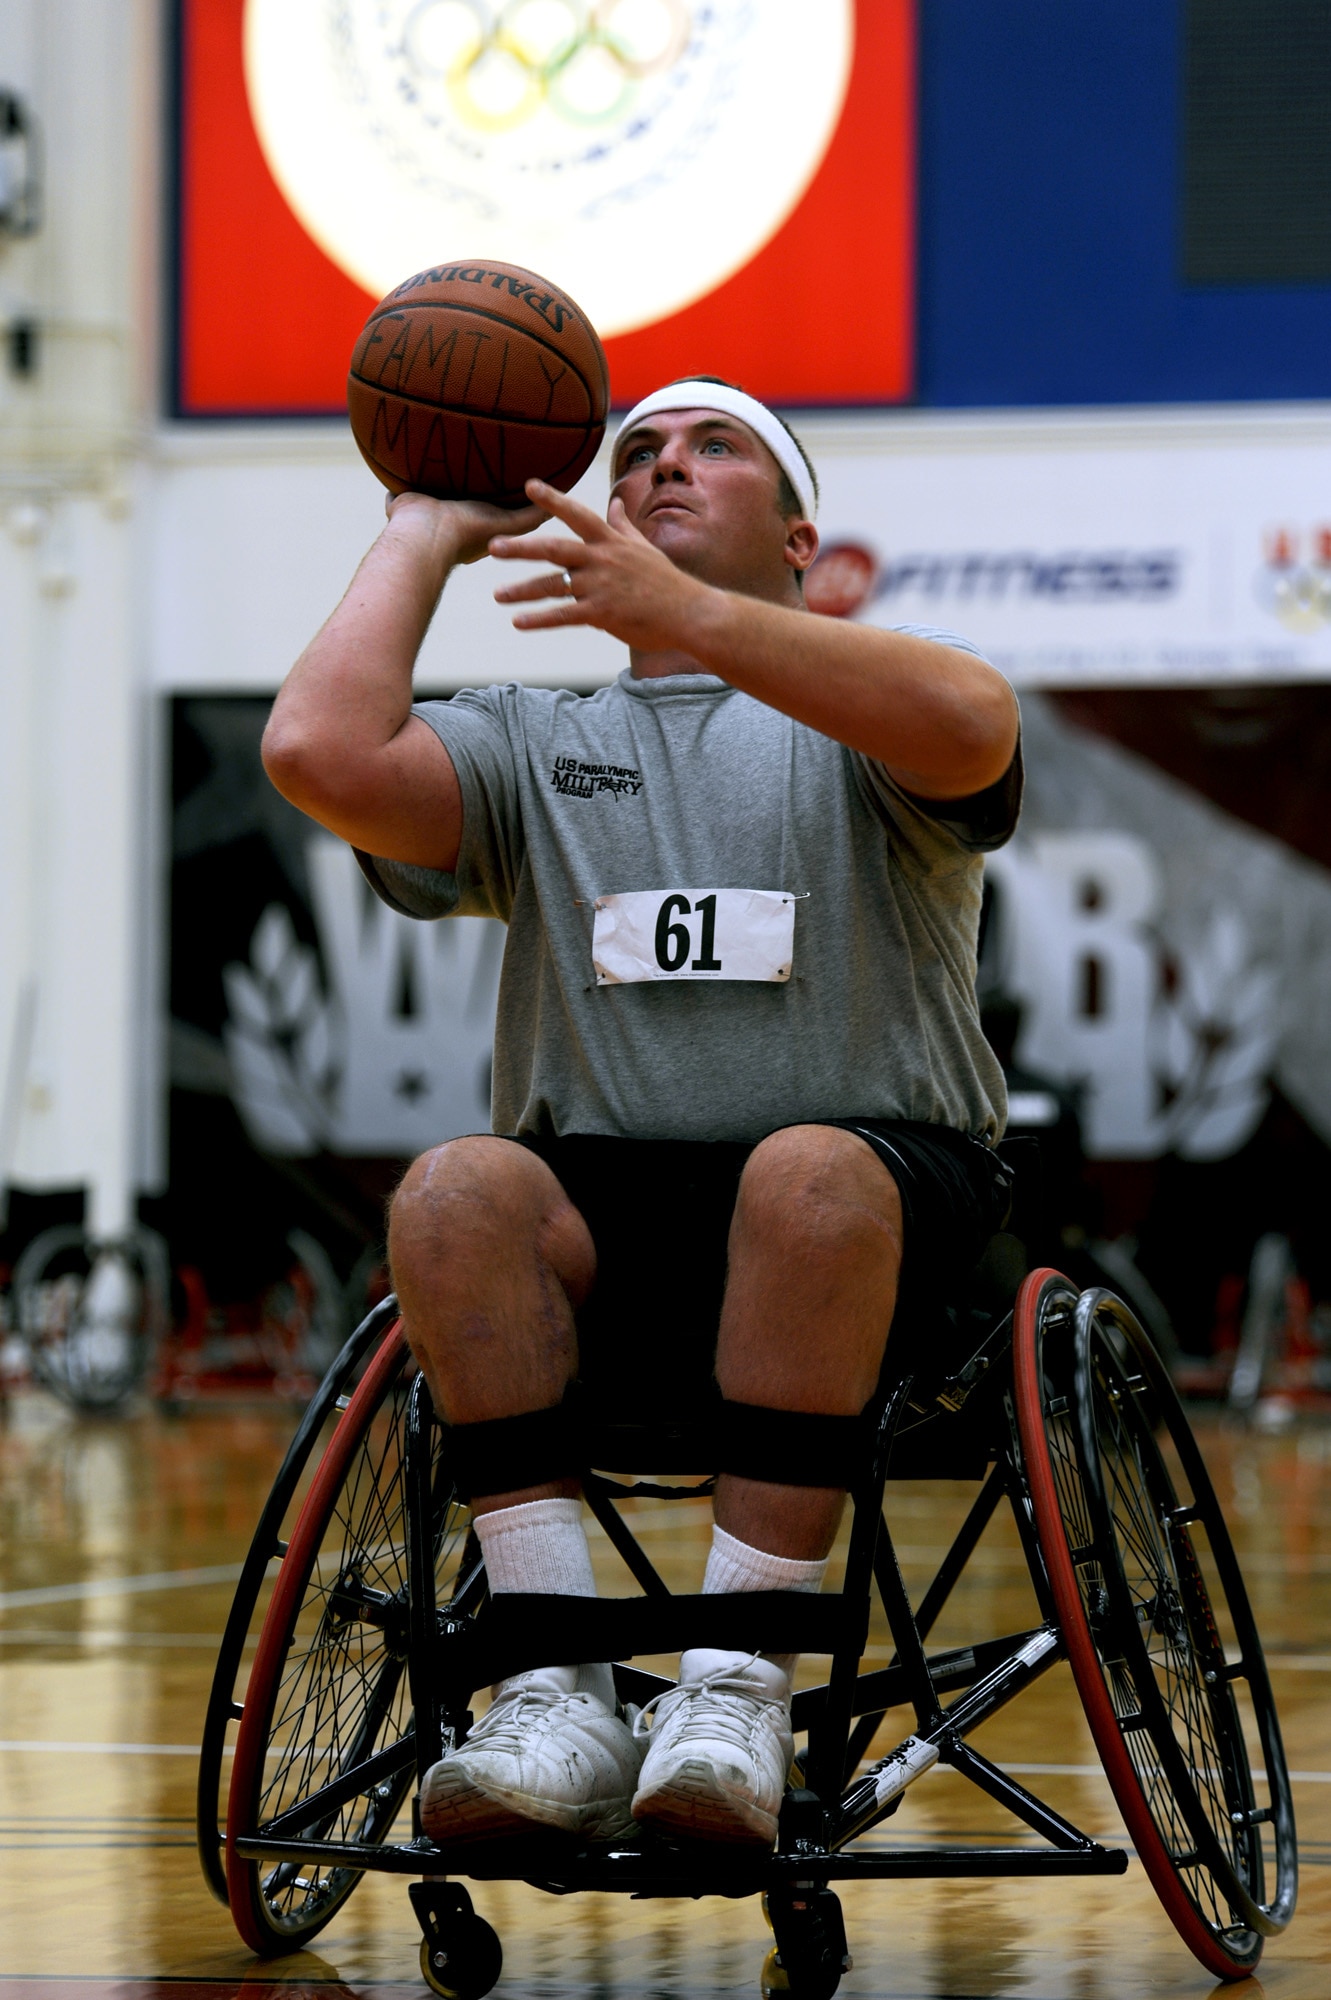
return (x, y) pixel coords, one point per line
(791, 1447)
(778, 1447)
(506, 1454)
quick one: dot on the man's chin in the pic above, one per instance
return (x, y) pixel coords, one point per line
(679, 535)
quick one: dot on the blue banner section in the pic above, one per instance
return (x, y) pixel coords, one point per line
(1051, 221)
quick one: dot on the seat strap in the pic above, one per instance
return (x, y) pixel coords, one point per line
(791, 1447)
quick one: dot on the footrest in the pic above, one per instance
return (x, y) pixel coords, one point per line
(653, 1869)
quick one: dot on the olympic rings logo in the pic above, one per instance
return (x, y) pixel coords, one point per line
(582, 59)
(1298, 592)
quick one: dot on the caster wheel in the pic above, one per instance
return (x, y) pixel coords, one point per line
(773, 1978)
(810, 1954)
(464, 1962)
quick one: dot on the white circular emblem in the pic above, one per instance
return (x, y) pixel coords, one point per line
(637, 152)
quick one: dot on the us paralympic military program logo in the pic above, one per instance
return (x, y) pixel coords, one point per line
(583, 138)
(1294, 580)
(848, 576)
(577, 780)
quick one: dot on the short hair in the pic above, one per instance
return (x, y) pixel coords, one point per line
(787, 499)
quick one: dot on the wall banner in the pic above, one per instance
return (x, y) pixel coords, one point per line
(703, 179)
(1162, 563)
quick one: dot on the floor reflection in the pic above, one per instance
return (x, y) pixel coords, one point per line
(117, 1545)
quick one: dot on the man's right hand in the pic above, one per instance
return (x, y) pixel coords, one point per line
(457, 531)
(341, 742)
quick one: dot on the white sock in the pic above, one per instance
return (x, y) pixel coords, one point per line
(542, 1546)
(734, 1566)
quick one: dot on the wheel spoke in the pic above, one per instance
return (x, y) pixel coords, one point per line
(1151, 1660)
(341, 1693)
(1134, 1475)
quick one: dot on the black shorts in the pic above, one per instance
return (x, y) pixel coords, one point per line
(659, 1215)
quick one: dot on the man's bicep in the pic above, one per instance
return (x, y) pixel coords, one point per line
(425, 810)
(975, 744)
(405, 804)
(969, 730)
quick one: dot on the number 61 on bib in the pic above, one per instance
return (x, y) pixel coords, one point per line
(694, 934)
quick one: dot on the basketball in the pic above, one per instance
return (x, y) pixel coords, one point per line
(467, 380)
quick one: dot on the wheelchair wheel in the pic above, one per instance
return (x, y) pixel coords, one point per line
(1135, 1545)
(269, 1545)
(328, 1689)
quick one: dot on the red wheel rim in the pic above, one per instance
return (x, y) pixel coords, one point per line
(1082, 1656)
(261, 1692)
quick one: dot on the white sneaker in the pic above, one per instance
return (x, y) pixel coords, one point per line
(718, 1755)
(547, 1753)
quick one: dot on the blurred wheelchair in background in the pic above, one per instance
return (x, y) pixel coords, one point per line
(88, 1316)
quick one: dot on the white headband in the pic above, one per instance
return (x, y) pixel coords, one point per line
(695, 395)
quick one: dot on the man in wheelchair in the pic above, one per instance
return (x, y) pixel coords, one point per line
(741, 1105)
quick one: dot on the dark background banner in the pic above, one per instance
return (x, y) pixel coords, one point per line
(1158, 948)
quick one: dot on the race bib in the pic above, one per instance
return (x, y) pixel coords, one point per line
(693, 934)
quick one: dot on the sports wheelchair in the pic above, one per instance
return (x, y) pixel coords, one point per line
(379, 1628)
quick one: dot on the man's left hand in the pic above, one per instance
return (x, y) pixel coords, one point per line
(611, 577)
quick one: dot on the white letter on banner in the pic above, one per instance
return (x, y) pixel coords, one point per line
(1084, 964)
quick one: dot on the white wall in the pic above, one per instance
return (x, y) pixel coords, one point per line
(256, 534)
(78, 921)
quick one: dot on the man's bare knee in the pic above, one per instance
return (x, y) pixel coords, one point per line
(486, 1198)
(818, 1193)
(815, 1252)
(490, 1260)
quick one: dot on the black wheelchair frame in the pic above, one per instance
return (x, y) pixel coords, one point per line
(379, 1628)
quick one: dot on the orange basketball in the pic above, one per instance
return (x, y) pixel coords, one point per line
(470, 379)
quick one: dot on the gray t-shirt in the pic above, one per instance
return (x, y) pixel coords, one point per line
(685, 782)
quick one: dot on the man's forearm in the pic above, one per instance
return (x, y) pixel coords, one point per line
(349, 693)
(342, 743)
(944, 722)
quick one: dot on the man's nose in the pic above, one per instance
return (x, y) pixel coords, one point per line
(670, 464)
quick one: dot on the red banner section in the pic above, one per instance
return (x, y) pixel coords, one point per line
(822, 314)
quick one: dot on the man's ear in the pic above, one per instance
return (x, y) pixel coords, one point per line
(801, 544)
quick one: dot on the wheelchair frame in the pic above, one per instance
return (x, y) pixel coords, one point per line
(446, 1651)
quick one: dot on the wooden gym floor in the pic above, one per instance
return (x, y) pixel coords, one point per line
(118, 1545)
